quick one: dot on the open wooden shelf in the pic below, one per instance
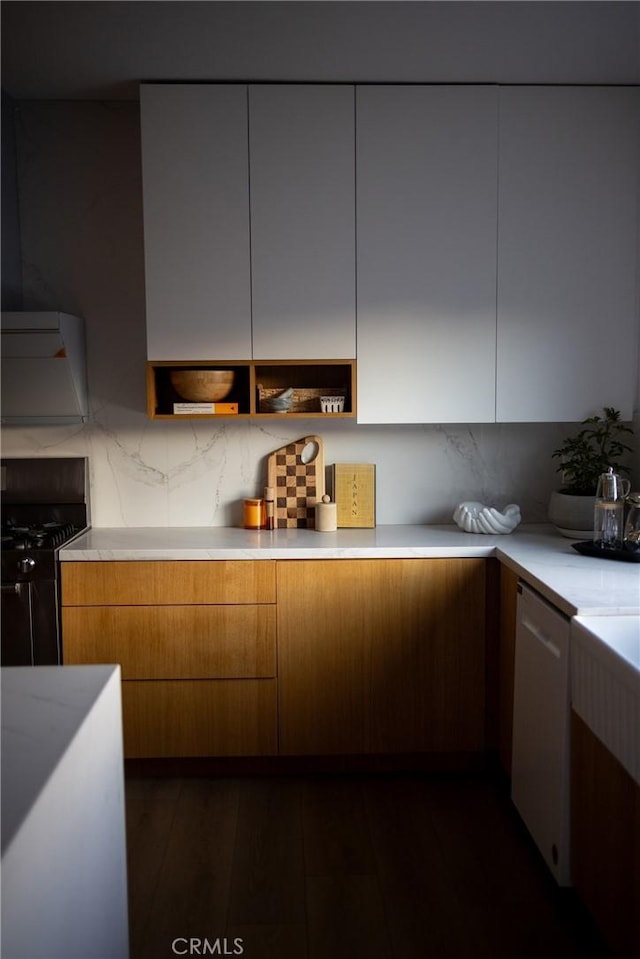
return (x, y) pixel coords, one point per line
(255, 380)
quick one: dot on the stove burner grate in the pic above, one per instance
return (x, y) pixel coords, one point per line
(36, 536)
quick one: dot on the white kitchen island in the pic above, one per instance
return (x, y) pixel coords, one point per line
(64, 880)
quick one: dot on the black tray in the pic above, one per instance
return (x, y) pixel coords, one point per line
(589, 548)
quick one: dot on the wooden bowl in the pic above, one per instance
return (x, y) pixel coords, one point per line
(202, 386)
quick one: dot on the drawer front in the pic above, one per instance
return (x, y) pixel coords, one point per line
(199, 718)
(173, 642)
(168, 583)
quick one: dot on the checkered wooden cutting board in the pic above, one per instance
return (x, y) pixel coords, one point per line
(298, 485)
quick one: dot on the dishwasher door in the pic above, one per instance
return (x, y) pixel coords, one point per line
(541, 712)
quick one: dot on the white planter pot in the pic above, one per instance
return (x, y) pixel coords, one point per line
(572, 515)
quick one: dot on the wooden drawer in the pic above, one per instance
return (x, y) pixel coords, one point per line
(173, 642)
(199, 718)
(168, 583)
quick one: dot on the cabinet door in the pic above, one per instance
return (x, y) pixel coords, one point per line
(426, 249)
(195, 177)
(302, 221)
(567, 252)
(381, 656)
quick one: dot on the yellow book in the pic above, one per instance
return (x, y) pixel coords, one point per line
(354, 492)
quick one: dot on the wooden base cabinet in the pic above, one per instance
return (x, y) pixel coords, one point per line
(196, 642)
(357, 657)
(506, 663)
(381, 656)
(605, 839)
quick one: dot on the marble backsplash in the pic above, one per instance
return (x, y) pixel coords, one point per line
(82, 251)
(196, 474)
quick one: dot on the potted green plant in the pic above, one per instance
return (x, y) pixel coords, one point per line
(583, 457)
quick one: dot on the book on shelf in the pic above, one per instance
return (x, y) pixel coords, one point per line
(211, 409)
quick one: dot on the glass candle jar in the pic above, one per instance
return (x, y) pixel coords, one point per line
(253, 514)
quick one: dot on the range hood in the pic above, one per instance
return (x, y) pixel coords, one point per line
(44, 376)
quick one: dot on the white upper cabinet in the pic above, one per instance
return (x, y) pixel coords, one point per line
(426, 174)
(491, 233)
(249, 215)
(567, 252)
(196, 221)
(301, 145)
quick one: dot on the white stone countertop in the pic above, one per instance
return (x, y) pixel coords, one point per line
(43, 710)
(577, 585)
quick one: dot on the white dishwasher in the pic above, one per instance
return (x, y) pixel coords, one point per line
(540, 770)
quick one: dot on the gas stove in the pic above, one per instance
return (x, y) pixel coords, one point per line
(37, 535)
(44, 506)
(30, 551)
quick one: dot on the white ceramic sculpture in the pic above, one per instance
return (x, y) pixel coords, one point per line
(476, 518)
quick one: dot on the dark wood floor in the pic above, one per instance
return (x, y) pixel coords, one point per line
(375, 867)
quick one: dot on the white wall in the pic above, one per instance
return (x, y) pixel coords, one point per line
(81, 219)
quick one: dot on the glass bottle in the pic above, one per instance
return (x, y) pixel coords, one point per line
(632, 523)
(608, 514)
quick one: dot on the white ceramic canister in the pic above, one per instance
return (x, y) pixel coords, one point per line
(326, 516)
